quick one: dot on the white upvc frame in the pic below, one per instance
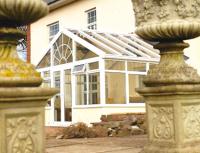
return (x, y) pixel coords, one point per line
(102, 82)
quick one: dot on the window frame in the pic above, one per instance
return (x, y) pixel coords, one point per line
(92, 18)
(53, 25)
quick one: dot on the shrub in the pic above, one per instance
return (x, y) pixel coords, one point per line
(81, 130)
(78, 130)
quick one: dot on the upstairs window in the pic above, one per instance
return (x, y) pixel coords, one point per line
(92, 19)
(53, 30)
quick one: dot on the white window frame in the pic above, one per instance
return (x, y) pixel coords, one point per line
(92, 18)
(51, 36)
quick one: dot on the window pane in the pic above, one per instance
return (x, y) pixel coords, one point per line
(91, 19)
(115, 88)
(94, 66)
(134, 66)
(53, 29)
(68, 96)
(94, 89)
(62, 50)
(46, 74)
(81, 90)
(115, 65)
(45, 62)
(135, 81)
(84, 53)
(79, 68)
(57, 80)
(57, 108)
(46, 83)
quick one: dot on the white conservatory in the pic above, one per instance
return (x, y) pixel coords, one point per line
(97, 74)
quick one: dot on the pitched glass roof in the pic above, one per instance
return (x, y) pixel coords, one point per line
(109, 44)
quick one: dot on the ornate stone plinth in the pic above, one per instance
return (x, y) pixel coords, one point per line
(22, 119)
(173, 119)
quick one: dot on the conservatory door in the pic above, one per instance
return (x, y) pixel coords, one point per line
(63, 100)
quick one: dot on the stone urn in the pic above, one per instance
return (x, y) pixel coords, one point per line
(169, 22)
(172, 92)
(15, 13)
(22, 100)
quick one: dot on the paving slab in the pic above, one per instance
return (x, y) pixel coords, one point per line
(133, 144)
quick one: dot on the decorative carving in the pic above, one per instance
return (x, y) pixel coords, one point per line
(162, 122)
(191, 117)
(145, 12)
(167, 19)
(172, 67)
(189, 8)
(164, 11)
(21, 133)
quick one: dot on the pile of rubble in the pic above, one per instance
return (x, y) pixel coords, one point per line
(123, 124)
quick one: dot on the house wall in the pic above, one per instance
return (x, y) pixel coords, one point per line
(193, 52)
(111, 16)
(89, 116)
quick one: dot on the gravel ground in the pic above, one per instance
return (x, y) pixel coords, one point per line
(132, 144)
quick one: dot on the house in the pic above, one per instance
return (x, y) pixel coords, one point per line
(88, 50)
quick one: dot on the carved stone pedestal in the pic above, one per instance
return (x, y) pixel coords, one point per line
(172, 92)
(22, 119)
(173, 118)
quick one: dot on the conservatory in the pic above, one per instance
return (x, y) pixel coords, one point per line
(96, 73)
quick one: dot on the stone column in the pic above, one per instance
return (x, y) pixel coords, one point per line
(172, 91)
(22, 100)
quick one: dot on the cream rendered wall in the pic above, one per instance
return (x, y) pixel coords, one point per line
(112, 16)
(92, 115)
(193, 52)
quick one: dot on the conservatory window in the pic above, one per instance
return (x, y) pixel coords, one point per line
(115, 65)
(81, 89)
(62, 50)
(135, 81)
(46, 79)
(83, 53)
(46, 83)
(68, 95)
(135, 66)
(45, 62)
(115, 88)
(88, 89)
(57, 79)
(94, 66)
(79, 68)
(94, 89)
(92, 18)
(53, 30)
(57, 108)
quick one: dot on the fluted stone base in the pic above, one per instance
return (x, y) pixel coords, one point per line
(173, 118)
(22, 119)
